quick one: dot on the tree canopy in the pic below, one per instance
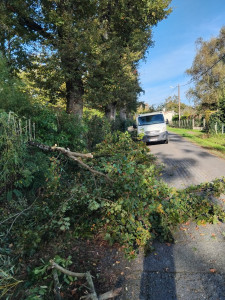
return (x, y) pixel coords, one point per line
(171, 103)
(208, 72)
(95, 45)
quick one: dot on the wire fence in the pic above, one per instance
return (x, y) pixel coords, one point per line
(214, 127)
(21, 127)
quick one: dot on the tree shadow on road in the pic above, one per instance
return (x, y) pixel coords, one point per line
(192, 268)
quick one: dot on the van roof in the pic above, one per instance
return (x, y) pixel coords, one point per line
(149, 114)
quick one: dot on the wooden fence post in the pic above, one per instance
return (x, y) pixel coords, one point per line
(203, 123)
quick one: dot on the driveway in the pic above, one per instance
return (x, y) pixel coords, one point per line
(186, 163)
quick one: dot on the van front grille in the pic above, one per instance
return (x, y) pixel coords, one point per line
(152, 133)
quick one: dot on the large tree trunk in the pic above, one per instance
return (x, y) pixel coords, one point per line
(74, 97)
(110, 111)
(123, 114)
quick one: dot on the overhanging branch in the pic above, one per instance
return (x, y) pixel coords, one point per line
(28, 22)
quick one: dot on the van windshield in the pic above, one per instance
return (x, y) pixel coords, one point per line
(151, 119)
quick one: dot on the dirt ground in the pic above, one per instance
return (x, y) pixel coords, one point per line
(107, 265)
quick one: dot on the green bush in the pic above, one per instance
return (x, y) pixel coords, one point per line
(11, 96)
(175, 118)
(56, 127)
(222, 109)
(127, 204)
(121, 124)
(20, 169)
(97, 127)
(215, 121)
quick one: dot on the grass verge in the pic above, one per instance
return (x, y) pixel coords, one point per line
(214, 143)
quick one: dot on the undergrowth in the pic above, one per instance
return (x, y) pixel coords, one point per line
(46, 195)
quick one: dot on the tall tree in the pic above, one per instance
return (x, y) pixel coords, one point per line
(82, 34)
(172, 103)
(208, 72)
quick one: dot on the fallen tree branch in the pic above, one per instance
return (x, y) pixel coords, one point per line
(70, 153)
(65, 271)
(92, 287)
(59, 149)
(93, 295)
(17, 216)
(92, 170)
(110, 294)
(76, 156)
(56, 285)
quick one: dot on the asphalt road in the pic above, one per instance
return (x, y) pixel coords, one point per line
(186, 163)
(193, 267)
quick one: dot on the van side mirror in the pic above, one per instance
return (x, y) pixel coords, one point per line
(167, 122)
(134, 126)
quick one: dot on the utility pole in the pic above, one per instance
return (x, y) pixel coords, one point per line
(179, 103)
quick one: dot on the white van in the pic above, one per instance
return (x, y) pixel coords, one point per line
(153, 126)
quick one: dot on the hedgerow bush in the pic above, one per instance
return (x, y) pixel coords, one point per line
(11, 96)
(130, 205)
(217, 118)
(120, 124)
(21, 169)
(97, 126)
(215, 123)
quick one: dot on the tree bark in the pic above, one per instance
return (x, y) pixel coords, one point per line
(110, 111)
(74, 97)
(123, 114)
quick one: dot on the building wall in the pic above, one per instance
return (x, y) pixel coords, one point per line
(168, 115)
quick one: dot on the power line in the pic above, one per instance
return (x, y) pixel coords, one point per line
(203, 73)
(206, 71)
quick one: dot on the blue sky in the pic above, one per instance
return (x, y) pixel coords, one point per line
(174, 47)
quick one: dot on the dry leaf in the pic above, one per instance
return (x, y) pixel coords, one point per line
(73, 292)
(183, 229)
(212, 270)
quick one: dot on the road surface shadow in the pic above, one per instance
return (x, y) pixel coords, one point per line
(158, 276)
(181, 172)
(186, 164)
(192, 268)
